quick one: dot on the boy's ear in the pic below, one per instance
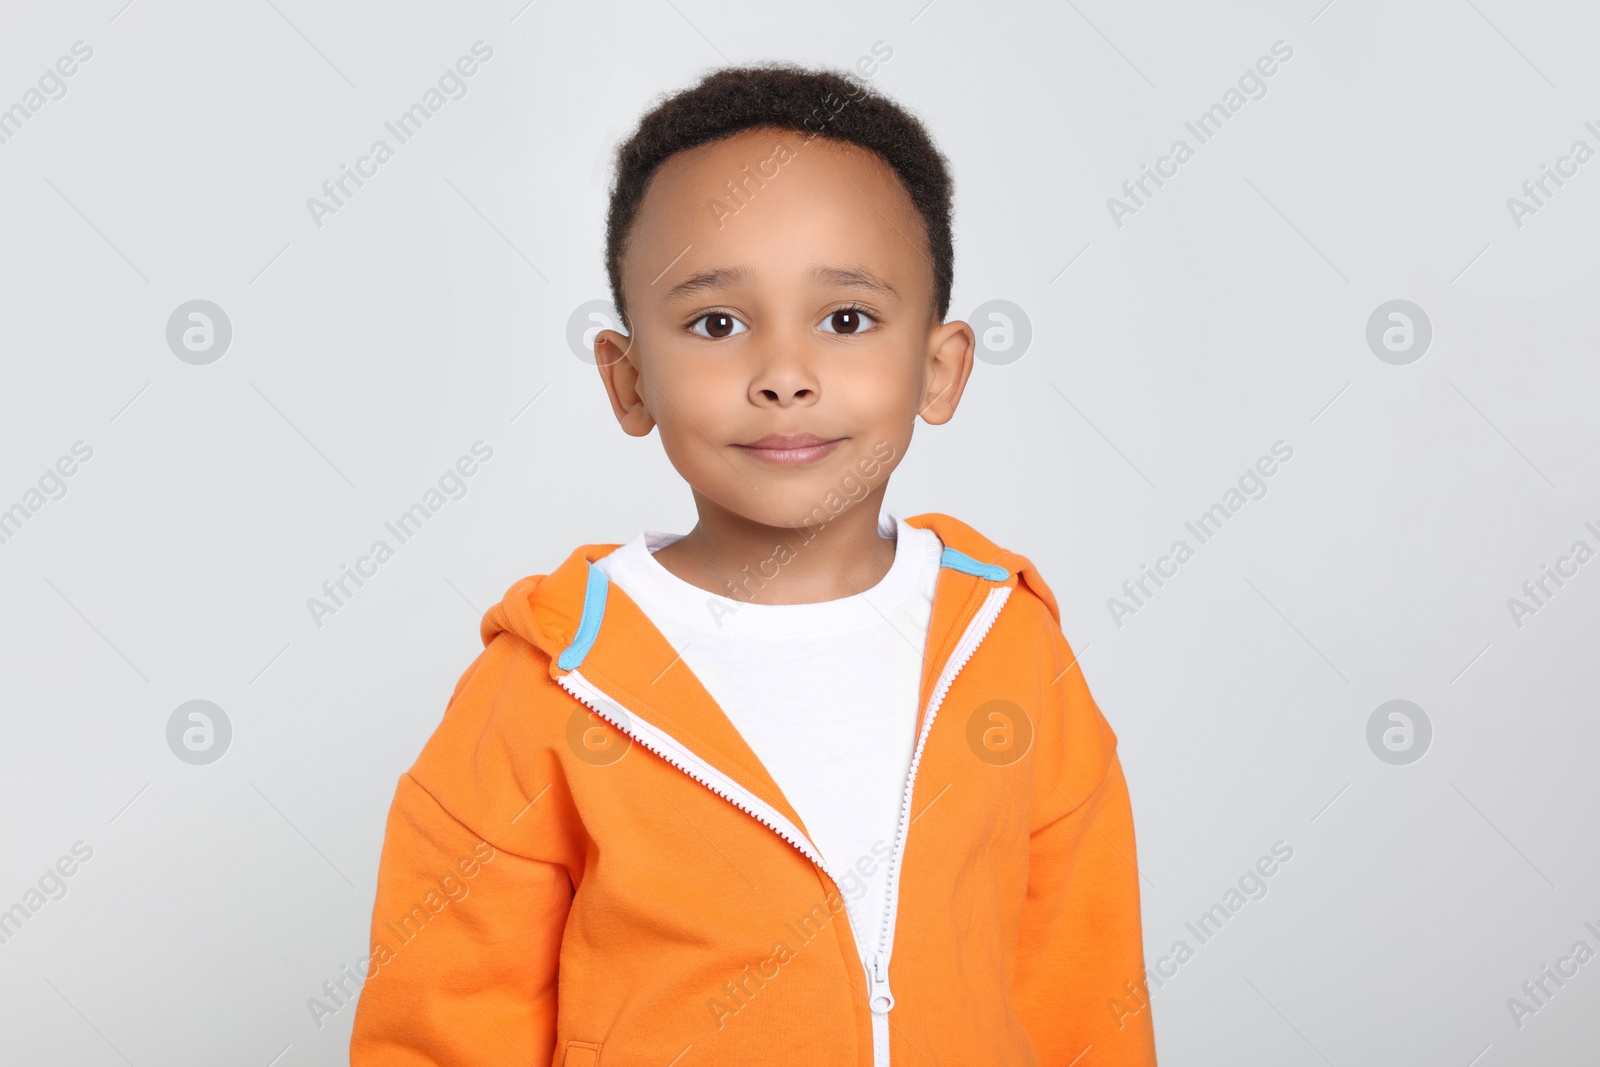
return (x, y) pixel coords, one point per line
(950, 351)
(619, 369)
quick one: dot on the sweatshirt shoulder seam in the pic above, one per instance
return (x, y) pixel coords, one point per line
(1105, 772)
(462, 823)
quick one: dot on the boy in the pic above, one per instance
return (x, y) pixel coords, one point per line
(812, 783)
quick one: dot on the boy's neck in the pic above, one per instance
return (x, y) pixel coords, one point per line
(732, 556)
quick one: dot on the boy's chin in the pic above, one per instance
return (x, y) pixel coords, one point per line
(794, 507)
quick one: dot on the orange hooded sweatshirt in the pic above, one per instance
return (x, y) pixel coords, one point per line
(587, 866)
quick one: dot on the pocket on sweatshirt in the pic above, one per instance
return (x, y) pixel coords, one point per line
(581, 1054)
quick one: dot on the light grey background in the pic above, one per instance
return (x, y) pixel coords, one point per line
(1167, 354)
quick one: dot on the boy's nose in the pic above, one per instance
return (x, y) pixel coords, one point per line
(784, 376)
(782, 392)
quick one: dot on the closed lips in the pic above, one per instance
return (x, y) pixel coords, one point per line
(791, 450)
(795, 440)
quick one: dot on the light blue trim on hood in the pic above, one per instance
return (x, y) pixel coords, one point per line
(967, 565)
(594, 606)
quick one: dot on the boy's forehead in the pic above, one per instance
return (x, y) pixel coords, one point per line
(773, 201)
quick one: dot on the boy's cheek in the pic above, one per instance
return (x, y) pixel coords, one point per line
(878, 462)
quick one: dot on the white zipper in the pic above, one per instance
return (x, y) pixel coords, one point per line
(674, 752)
(682, 757)
(879, 998)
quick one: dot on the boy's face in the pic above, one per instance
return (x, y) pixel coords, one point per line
(807, 310)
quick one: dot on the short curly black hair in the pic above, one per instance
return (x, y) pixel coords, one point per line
(815, 102)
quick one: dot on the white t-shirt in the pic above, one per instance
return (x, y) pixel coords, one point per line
(825, 694)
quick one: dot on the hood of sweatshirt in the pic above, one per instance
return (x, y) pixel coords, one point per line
(546, 609)
(575, 617)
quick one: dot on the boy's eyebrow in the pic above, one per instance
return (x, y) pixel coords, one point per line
(723, 277)
(705, 281)
(853, 278)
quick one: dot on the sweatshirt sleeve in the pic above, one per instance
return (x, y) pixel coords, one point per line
(1080, 988)
(466, 933)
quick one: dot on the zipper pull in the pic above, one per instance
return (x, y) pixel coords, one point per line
(878, 996)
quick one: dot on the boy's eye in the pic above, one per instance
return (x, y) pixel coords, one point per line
(847, 321)
(719, 324)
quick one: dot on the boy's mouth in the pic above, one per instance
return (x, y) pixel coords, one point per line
(791, 449)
